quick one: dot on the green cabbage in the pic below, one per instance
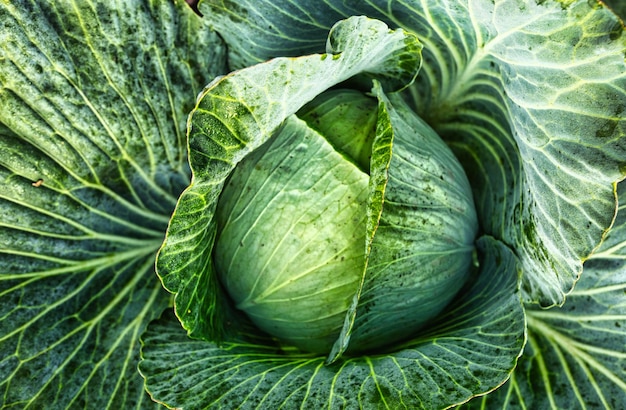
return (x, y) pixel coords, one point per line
(292, 246)
(285, 204)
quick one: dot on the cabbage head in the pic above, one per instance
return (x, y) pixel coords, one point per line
(291, 205)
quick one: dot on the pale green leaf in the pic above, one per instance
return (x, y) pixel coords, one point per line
(566, 102)
(93, 103)
(471, 350)
(297, 206)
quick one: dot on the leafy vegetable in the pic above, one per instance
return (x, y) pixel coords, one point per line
(93, 102)
(519, 103)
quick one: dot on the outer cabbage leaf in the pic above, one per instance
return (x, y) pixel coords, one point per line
(529, 94)
(576, 354)
(93, 103)
(235, 115)
(470, 352)
(567, 112)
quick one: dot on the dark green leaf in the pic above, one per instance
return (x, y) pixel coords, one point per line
(618, 6)
(93, 103)
(576, 354)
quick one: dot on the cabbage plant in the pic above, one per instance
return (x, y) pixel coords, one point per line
(286, 204)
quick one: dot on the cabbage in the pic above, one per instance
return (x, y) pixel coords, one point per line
(293, 244)
(440, 227)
